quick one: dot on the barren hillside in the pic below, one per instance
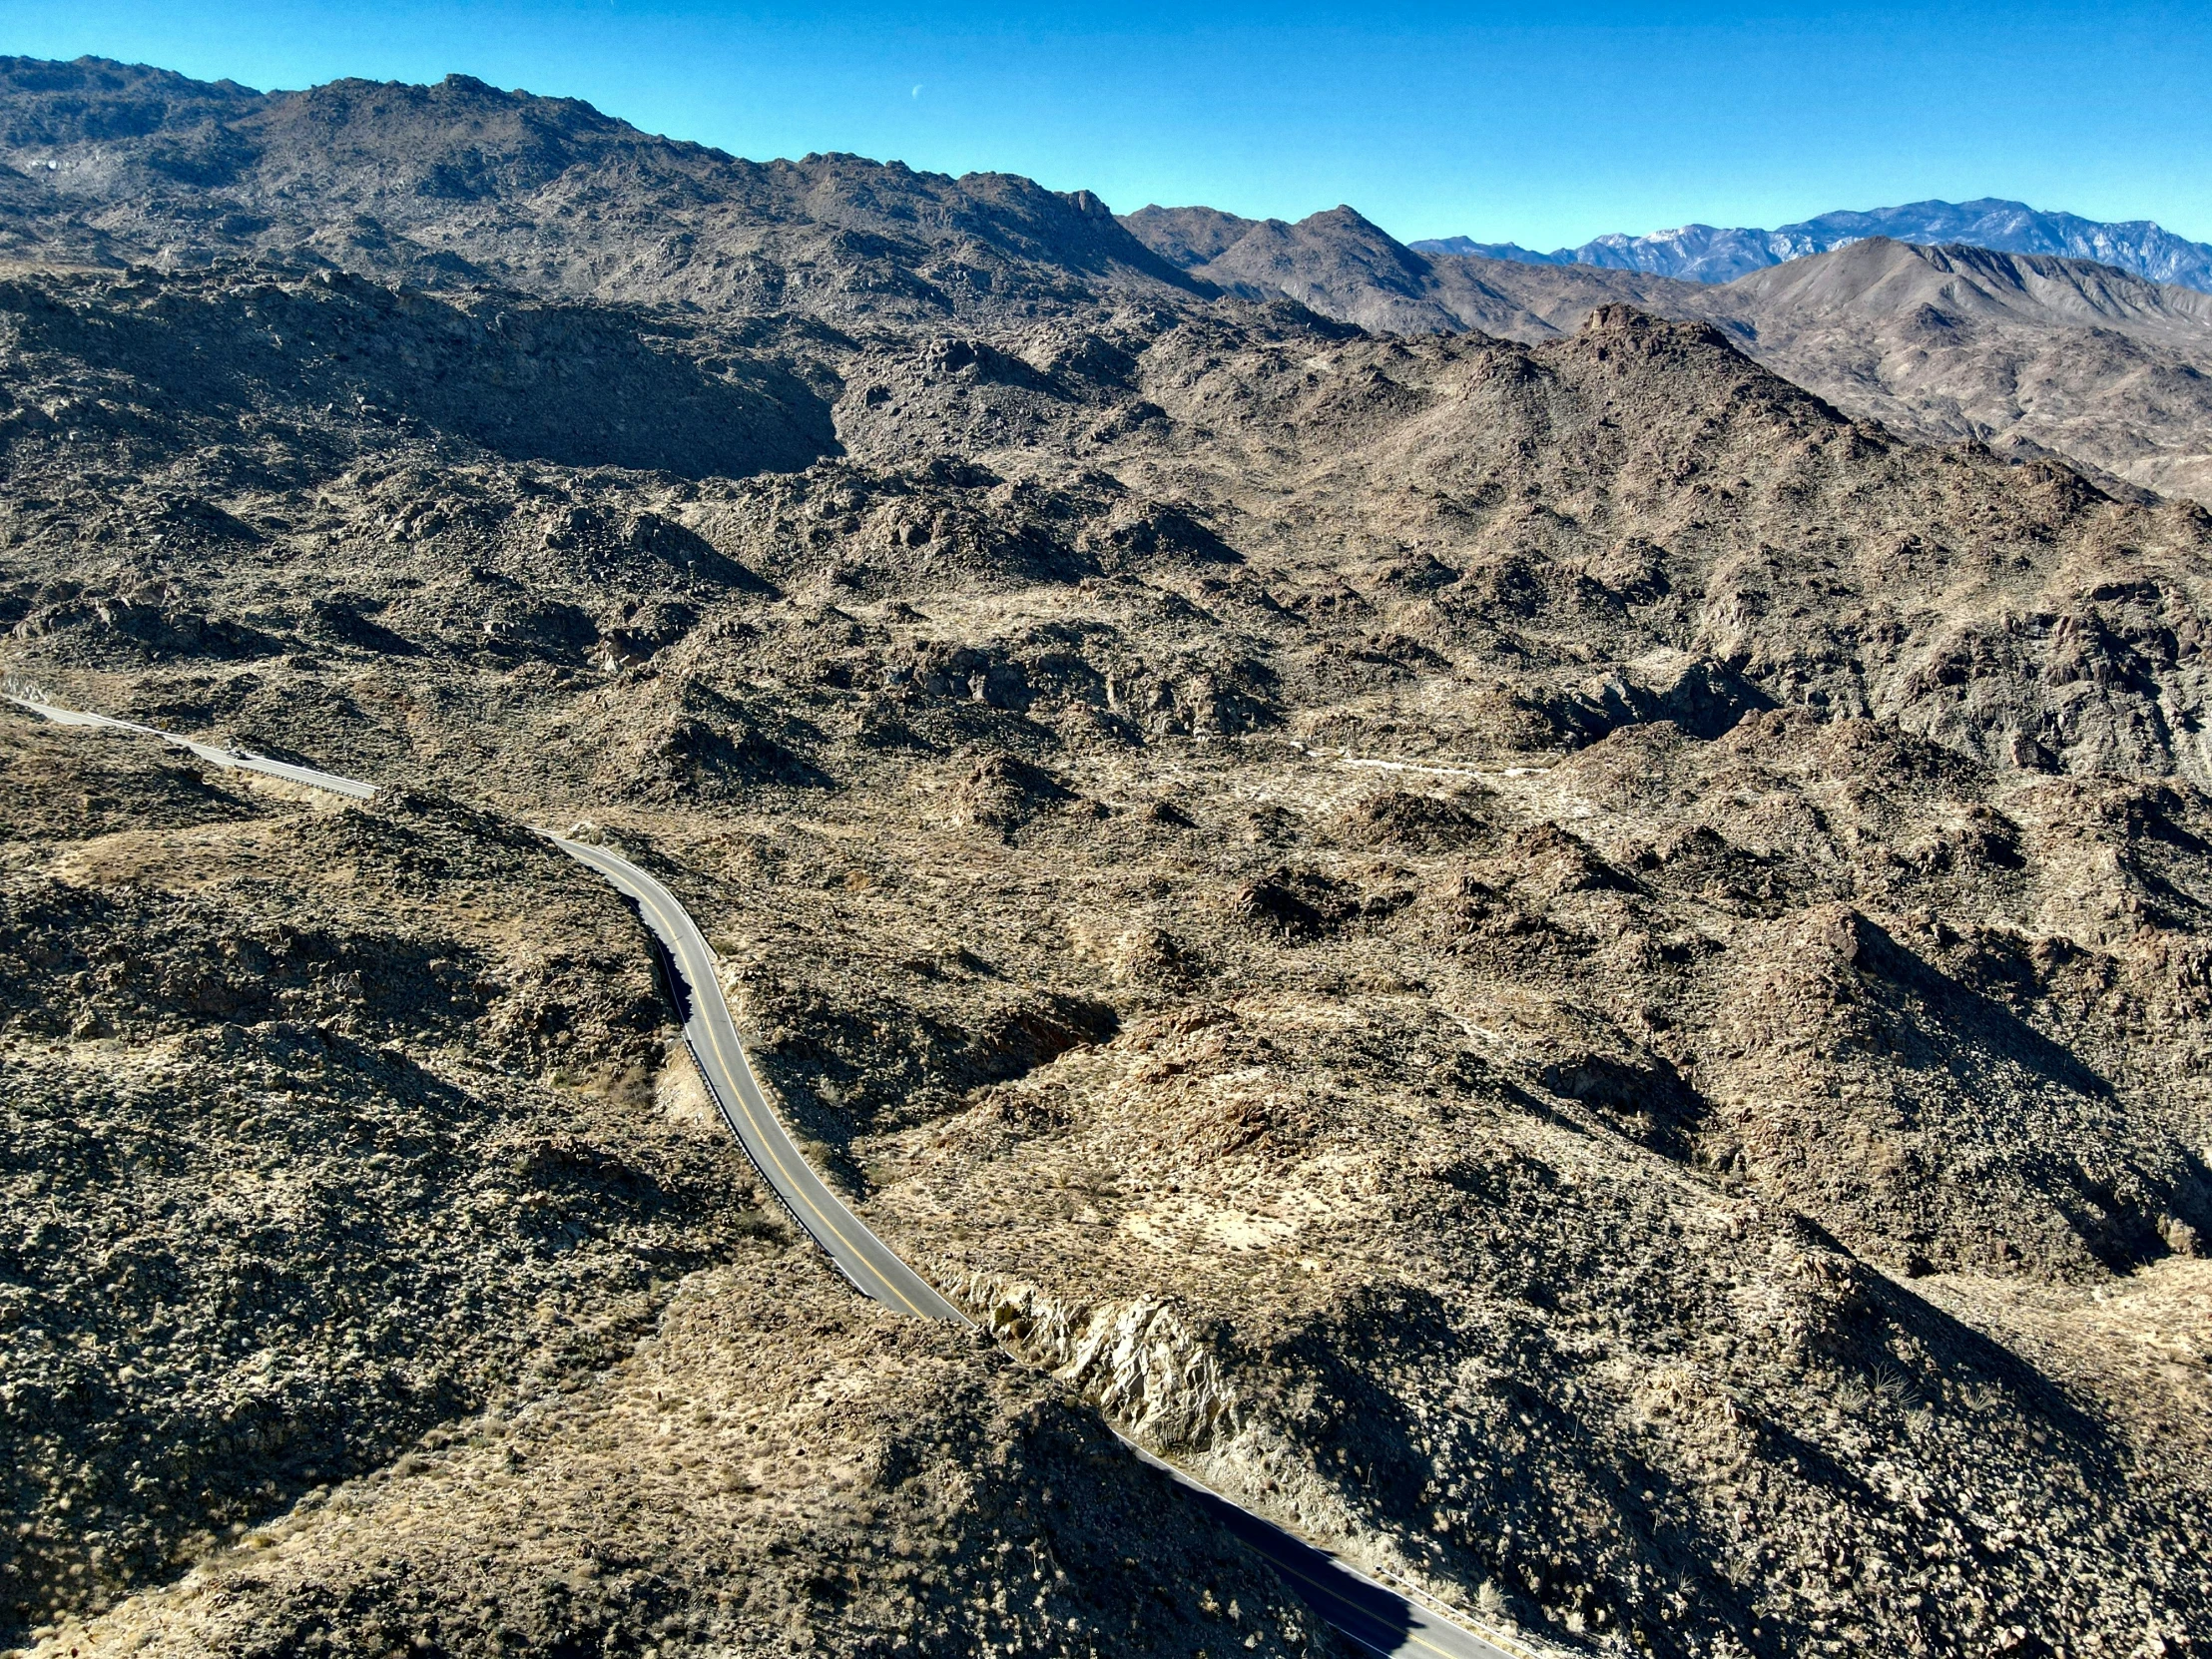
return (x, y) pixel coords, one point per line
(2032, 353)
(1575, 972)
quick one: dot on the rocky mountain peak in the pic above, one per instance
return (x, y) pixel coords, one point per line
(1708, 253)
(1554, 922)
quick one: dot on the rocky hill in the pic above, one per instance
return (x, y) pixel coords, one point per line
(1345, 267)
(2029, 353)
(461, 183)
(2033, 354)
(1562, 965)
(1704, 254)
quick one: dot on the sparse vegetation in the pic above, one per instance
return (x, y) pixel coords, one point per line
(1577, 974)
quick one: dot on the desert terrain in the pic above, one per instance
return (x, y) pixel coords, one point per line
(1558, 961)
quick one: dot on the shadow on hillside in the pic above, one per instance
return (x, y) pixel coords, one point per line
(576, 384)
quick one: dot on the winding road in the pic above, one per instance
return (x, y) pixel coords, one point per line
(237, 758)
(711, 1037)
(1374, 1616)
(1368, 1614)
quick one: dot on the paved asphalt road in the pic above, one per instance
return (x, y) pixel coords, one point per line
(209, 752)
(1369, 1615)
(1372, 1616)
(713, 1036)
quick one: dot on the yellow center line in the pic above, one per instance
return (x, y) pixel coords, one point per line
(827, 1220)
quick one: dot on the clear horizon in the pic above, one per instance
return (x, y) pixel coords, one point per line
(1519, 123)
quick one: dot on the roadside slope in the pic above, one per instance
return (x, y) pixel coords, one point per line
(303, 1159)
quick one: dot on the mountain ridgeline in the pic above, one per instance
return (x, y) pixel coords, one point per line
(1704, 254)
(460, 184)
(1554, 922)
(2034, 354)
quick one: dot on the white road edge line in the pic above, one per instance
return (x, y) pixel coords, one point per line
(673, 926)
(235, 759)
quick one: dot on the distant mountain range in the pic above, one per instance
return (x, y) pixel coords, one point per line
(2027, 352)
(1706, 254)
(464, 189)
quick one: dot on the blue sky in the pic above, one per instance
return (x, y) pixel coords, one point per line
(1537, 124)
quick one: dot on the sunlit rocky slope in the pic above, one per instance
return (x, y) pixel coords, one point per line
(1553, 961)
